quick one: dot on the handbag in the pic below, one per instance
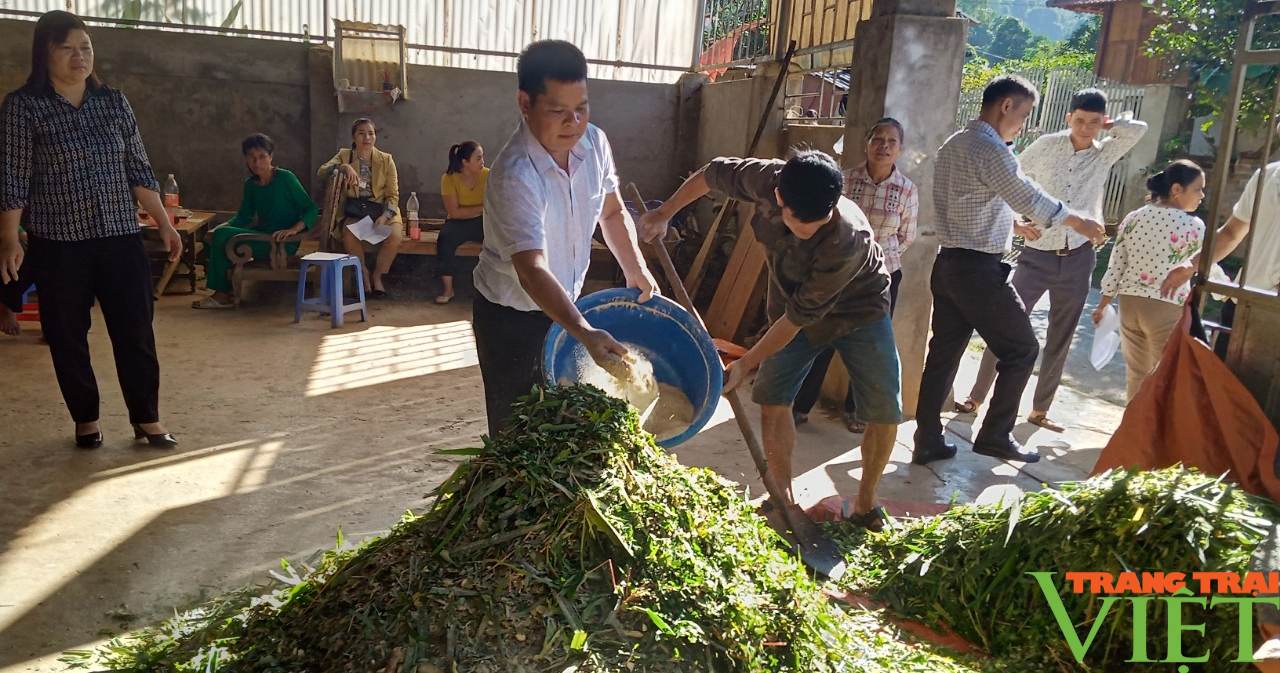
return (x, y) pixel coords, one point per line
(357, 208)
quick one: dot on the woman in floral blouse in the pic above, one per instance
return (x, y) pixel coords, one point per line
(1152, 240)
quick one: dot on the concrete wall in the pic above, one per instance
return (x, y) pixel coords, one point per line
(1164, 109)
(450, 105)
(910, 71)
(723, 129)
(196, 97)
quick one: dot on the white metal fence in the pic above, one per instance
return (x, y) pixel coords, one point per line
(639, 40)
(1056, 88)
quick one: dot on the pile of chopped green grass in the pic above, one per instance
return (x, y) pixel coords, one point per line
(568, 544)
(965, 570)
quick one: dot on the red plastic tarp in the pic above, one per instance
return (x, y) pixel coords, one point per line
(1193, 410)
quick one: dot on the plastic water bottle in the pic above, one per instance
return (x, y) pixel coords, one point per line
(411, 215)
(171, 192)
(412, 206)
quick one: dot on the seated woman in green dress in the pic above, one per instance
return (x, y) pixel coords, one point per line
(282, 208)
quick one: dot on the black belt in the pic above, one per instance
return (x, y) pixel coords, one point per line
(1064, 251)
(965, 252)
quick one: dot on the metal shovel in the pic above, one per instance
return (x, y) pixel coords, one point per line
(815, 549)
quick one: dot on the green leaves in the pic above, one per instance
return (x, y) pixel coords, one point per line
(1197, 40)
(966, 570)
(570, 542)
(472, 452)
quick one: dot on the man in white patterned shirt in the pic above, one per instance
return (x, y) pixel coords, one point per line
(1073, 165)
(977, 188)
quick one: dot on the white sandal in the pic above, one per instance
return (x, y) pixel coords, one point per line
(210, 302)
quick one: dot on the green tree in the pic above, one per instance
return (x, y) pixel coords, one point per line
(1198, 41)
(1011, 39)
(1084, 39)
(978, 71)
(998, 36)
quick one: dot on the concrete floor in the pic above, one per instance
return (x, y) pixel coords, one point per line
(290, 432)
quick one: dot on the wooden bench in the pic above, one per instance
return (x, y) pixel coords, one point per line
(279, 264)
(603, 264)
(430, 239)
(427, 246)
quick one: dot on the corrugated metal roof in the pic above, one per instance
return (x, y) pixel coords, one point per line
(838, 78)
(647, 32)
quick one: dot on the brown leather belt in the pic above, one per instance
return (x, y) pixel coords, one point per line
(1067, 252)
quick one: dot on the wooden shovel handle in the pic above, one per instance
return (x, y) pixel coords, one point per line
(659, 249)
(739, 413)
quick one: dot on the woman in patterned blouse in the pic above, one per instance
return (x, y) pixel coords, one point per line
(1153, 240)
(373, 191)
(74, 165)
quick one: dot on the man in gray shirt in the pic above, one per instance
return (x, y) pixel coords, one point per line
(828, 286)
(977, 188)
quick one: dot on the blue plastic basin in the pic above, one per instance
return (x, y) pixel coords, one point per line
(673, 340)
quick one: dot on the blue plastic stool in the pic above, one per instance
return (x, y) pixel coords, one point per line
(330, 299)
(30, 309)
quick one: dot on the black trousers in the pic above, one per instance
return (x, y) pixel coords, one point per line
(812, 386)
(509, 347)
(116, 272)
(971, 291)
(453, 234)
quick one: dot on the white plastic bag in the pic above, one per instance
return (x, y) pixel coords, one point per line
(1106, 338)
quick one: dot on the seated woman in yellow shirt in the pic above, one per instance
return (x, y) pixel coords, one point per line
(462, 187)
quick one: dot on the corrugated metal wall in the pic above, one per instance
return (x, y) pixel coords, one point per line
(654, 38)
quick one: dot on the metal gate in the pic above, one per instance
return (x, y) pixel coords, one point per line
(1254, 352)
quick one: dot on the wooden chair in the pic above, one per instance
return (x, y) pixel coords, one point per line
(280, 265)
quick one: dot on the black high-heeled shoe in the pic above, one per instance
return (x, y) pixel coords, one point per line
(162, 440)
(92, 440)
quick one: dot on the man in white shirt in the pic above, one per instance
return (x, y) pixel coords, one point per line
(1262, 269)
(553, 182)
(1072, 165)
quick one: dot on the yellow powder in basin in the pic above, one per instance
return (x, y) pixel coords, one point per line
(665, 411)
(672, 415)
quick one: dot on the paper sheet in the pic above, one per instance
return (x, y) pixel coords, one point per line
(1106, 338)
(366, 230)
